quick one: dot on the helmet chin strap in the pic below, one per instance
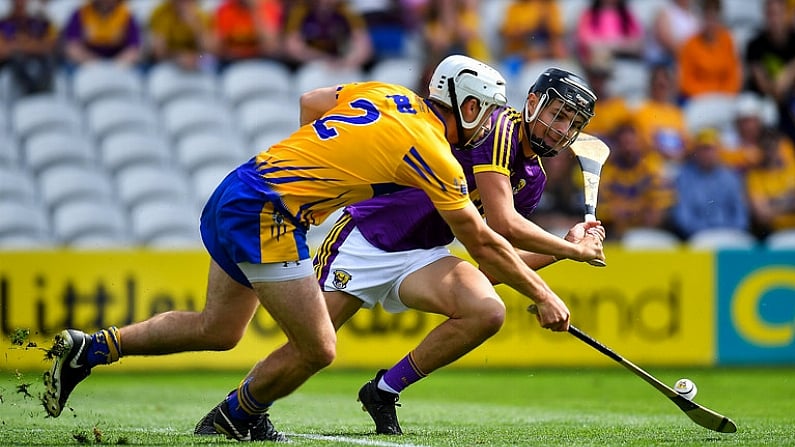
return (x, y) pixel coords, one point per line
(456, 110)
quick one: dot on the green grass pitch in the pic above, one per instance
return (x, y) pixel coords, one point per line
(487, 407)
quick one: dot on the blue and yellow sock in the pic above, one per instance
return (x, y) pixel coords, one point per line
(105, 347)
(243, 405)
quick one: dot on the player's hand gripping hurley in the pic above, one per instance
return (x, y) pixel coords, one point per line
(701, 415)
(591, 153)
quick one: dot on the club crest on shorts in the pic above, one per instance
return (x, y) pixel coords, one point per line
(341, 279)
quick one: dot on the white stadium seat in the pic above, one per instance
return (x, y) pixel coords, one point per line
(722, 238)
(649, 239)
(46, 150)
(200, 149)
(204, 181)
(88, 218)
(97, 80)
(65, 183)
(44, 111)
(186, 115)
(114, 114)
(318, 74)
(259, 115)
(129, 148)
(781, 240)
(402, 71)
(17, 185)
(141, 183)
(163, 218)
(249, 79)
(710, 110)
(18, 219)
(167, 81)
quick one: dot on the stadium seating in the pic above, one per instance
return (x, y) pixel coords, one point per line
(317, 74)
(403, 71)
(710, 110)
(129, 148)
(46, 150)
(115, 114)
(62, 184)
(167, 82)
(261, 115)
(185, 115)
(9, 151)
(251, 79)
(21, 221)
(161, 219)
(781, 240)
(91, 221)
(17, 185)
(141, 183)
(722, 238)
(649, 239)
(105, 127)
(201, 149)
(44, 112)
(96, 80)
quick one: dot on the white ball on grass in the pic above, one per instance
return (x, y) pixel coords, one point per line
(686, 388)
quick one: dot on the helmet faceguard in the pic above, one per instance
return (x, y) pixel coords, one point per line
(458, 78)
(572, 105)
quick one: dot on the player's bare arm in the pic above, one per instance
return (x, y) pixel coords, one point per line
(315, 103)
(497, 198)
(497, 257)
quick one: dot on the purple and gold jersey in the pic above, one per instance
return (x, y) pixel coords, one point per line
(406, 220)
(398, 142)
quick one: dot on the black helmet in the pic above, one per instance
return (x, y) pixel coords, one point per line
(574, 92)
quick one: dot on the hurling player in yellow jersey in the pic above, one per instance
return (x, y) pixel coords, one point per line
(356, 141)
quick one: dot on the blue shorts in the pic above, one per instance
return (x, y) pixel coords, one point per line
(242, 224)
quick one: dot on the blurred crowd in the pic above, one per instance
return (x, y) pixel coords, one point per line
(663, 173)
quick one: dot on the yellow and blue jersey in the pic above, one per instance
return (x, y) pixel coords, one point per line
(378, 139)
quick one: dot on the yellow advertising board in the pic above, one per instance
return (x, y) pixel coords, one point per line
(655, 308)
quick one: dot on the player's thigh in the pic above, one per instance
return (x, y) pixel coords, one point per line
(341, 307)
(449, 286)
(229, 304)
(299, 308)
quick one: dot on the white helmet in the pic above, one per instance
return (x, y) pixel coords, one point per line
(458, 77)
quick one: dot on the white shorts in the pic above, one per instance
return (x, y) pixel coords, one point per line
(374, 276)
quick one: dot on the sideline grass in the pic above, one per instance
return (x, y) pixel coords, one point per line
(549, 407)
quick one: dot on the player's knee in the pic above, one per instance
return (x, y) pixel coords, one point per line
(225, 341)
(491, 316)
(322, 356)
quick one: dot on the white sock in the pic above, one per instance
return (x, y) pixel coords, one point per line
(383, 386)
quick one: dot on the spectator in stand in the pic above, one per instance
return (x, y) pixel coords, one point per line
(449, 27)
(248, 29)
(770, 61)
(661, 121)
(610, 110)
(27, 48)
(634, 191)
(327, 31)
(180, 31)
(741, 150)
(771, 186)
(609, 25)
(709, 194)
(675, 22)
(532, 30)
(386, 23)
(708, 61)
(102, 30)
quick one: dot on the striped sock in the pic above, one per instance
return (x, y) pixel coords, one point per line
(400, 376)
(243, 405)
(105, 347)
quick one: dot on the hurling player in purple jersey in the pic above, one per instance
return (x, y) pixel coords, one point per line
(391, 249)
